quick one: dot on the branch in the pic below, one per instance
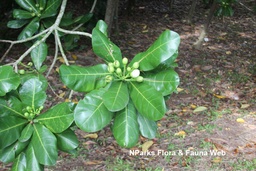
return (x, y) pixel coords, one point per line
(75, 32)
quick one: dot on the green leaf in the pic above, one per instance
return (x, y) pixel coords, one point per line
(67, 140)
(83, 19)
(58, 118)
(10, 125)
(148, 101)
(8, 154)
(162, 49)
(104, 48)
(11, 107)
(20, 163)
(165, 81)
(26, 133)
(116, 97)
(21, 14)
(102, 27)
(84, 79)
(42, 3)
(27, 4)
(45, 145)
(38, 55)
(125, 127)
(148, 127)
(32, 94)
(30, 29)
(38, 76)
(15, 24)
(9, 80)
(32, 162)
(91, 114)
(51, 8)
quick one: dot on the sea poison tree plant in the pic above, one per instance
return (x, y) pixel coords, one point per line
(132, 93)
(30, 135)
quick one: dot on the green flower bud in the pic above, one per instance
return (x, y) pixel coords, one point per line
(108, 78)
(41, 8)
(128, 69)
(22, 71)
(30, 64)
(116, 64)
(139, 79)
(111, 64)
(111, 69)
(135, 73)
(135, 65)
(33, 14)
(37, 5)
(125, 61)
(118, 71)
(39, 15)
(26, 114)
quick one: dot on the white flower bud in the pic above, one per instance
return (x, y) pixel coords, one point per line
(135, 73)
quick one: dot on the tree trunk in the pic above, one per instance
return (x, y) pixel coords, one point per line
(191, 12)
(111, 14)
(199, 42)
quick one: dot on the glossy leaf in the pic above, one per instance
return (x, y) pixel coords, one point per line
(38, 76)
(32, 94)
(91, 114)
(83, 19)
(67, 140)
(27, 4)
(15, 24)
(165, 81)
(148, 101)
(22, 14)
(104, 48)
(30, 29)
(42, 3)
(26, 133)
(32, 162)
(9, 80)
(20, 163)
(162, 49)
(10, 107)
(147, 127)
(38, 55)
(51, 8)
(58, 118)
(10, 125)
(84, 79)
(125, 127)
(8, 154)
(102, 27)
(45, 145)
(116, 97)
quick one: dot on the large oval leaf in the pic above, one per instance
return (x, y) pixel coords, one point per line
(165, 81)
(58, 118)
(84, 79)
(116, 97)
(125, 127)
(32, 94)
(163, 48)
(22, 14)
(51, 8)
(15, 24)
(104, 48)
(45, 145)
(38, 55)
(10, 125)
(91, 114)
(20, 163)
(32, 162)
(9, 80)
(148, 127)
(30, 29)
(67, 140)
(26, 133)
(27, 4)
(148, 101)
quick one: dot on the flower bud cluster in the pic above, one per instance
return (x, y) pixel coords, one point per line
(31, 113)
(125, 73)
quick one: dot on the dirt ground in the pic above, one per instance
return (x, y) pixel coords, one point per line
(220, 77)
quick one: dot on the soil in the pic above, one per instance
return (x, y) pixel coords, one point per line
(220, 76)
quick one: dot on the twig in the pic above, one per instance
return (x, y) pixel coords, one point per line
(55, 57)
(249, 9)
(75, 32)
